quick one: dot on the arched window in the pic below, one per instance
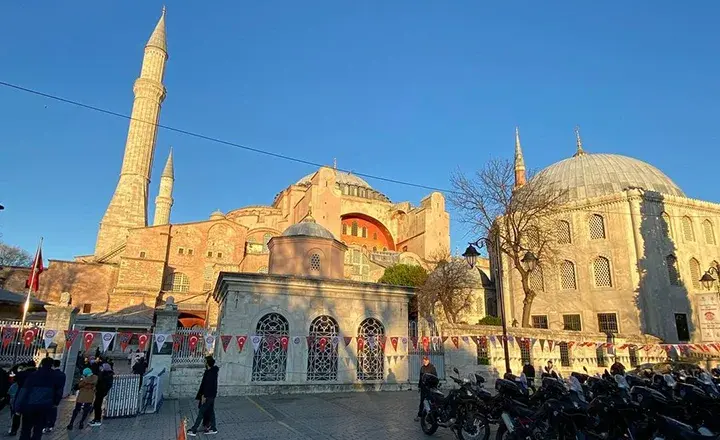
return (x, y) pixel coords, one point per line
(601, 271)
(709, 232)
(354, 229)
(323, 351)
(344, 228)
(667, 228)
(266, 240)
(315, 263)
(270, 359)
(364, 232)
(564, 235)
(536, 280)
(263, 269)
(567, 275)
(673, 274)
(695, 273)
(371, 358)
(687, 227)
(177, 282)
(597, 227)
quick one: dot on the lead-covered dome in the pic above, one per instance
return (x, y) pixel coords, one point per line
(591, 175)
(308, 228)
(342, 178)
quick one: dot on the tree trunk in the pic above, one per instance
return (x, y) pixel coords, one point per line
(527, 301)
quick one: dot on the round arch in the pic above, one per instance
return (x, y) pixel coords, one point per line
(364, 230)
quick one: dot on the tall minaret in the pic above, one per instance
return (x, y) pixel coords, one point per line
(128, 206)
(164, 200)
(520, 176)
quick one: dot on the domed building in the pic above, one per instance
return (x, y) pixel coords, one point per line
(631, 249)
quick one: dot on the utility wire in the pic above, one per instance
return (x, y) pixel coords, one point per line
(213, 139)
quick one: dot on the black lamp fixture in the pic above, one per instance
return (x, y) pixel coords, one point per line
(471, 254)
(529, 261)
(707, 279)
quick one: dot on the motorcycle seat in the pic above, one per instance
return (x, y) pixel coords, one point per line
(523, 409)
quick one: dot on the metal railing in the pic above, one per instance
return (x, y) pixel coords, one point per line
(189, 346)
(16, 349)
(124, 397)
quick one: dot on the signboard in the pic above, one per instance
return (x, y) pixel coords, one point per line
(709, 314)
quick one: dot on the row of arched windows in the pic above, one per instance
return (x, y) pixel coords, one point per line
(688, 231)
(602, 275)
(270, 359)
(596, 229)
(695, 271)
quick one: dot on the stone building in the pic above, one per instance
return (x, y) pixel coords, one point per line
(138, 262)
(632, 249)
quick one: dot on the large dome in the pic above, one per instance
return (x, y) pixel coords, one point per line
(591, 175)
(342, 178)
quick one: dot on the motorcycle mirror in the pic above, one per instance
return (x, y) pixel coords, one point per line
(456, 370)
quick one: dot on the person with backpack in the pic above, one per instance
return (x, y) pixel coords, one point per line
(35, 399)
(105, 382)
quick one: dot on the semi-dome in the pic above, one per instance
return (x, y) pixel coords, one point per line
(590, 175)
(341, 178)
(308, 228)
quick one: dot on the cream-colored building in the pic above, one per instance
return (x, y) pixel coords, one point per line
(138, 262)
(632, 249)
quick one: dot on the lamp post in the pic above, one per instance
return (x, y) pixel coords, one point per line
(707, 280)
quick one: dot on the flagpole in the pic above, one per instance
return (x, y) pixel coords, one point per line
(26, 307)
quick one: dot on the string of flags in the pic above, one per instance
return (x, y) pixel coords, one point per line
(423, 343)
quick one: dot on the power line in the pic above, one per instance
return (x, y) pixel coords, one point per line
(213, 139)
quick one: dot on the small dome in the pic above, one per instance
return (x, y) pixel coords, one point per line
(216, 215)
(308, 229)
(591, 175)
(342, 178)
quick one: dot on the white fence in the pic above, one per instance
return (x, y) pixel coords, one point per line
(124, 397)
(15, 348)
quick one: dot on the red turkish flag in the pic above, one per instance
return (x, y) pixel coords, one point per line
(426, 343)
(455, 341)
(382, 339)
(193, 341)
(177, 341)
(124, 340)
(33, 281)
(8, 334)
(88, 338)
(361, 343)
(394, 341)
(284, 340)
(414, 341)
(28, 338)
(225, 339)
(241, 342)
(142, 341)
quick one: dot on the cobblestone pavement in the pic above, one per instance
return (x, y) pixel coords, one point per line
(347, 416)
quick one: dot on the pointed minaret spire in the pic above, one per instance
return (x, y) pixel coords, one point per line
(158, 38)
(578, 140)
(520, 176)
(164, 200)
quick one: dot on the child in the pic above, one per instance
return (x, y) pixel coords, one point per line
(86, 394)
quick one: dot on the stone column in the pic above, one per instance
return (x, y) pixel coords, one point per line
(60, 318)
(165, 323)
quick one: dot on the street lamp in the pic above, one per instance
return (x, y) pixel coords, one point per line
(707, 280)
(529, 261)
(471, 254)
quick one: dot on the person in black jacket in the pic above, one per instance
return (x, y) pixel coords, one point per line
(40, 392)
(206, 394)
(105, 382)
(427, 368)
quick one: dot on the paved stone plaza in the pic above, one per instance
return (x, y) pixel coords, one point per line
(387, 415)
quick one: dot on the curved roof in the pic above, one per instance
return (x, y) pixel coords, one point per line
(308, 229)
(342, 177)
(590, 175)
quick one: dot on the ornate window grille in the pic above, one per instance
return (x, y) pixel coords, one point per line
(540, 321)
(344, 229)
(371, 359)
(597, 227)
(567, 275)
(607, 323)
(695, 273)
(673, 274)
(687, 227)
(536, 280)
(565, 360)
(177, 282)
(483, 354)
(709, 232)
(323, 355)
(525, 355)
(315, 263)
(266, 240)
(572, 322)
(270, 360)
(564, 234)
(667, 228)
(354, 229)
(600, 355)
(601, 271)
(632, 353)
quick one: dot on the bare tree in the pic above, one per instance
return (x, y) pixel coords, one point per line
(523, 218)
(450, 285)
(14, 256)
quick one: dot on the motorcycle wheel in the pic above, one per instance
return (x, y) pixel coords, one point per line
(476, 427)
(502, 432)
(428, 424)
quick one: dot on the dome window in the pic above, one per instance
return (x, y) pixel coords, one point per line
(597, 227)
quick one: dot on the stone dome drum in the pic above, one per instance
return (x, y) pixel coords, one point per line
(342, 178)
(590, 175)
(308, 229)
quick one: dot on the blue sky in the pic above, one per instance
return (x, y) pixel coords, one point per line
(411, 90)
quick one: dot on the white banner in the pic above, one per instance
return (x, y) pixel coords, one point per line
(209, 342)
(107, 338)
(160, 340)
(48, 337)
(256, 342)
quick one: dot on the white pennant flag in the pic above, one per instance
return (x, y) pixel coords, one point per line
(48, 337)
(106, 338)
(160, 340)
(209, 342)
(335, 341)
(256, 342)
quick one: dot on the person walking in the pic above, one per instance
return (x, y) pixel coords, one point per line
(550, 371)
(529, 372)
(105, 382)
(12, 396)
(52, 416)
(427, 368)
(84, 401)
(36, 397)
(206, 395)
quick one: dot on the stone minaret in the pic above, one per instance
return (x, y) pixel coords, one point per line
(128, 207)
(164, 200)
(520, 176)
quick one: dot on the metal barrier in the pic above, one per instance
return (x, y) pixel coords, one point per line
(152, 397)
(124, 397)
(16, 349)
(188, 346)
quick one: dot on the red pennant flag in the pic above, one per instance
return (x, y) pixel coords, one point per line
(455, 341)
(323, 343)
(414, 341)
(225, 339)
(124, 339)
(310, 340)
(70, 336)
(394, 341)
(8, 334)
(426, 343)
(28, 338)
(360, 343)
(542, 344)
(33, 281)
(284, 341)
(177, 341)
(551, 344)
(347, 339)
(241, 342)
(142, 341)
(88, 338)
(36, 331)
(382, 339)
(271, 342)
(193, 341)
(570, 344)
(444, 339)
